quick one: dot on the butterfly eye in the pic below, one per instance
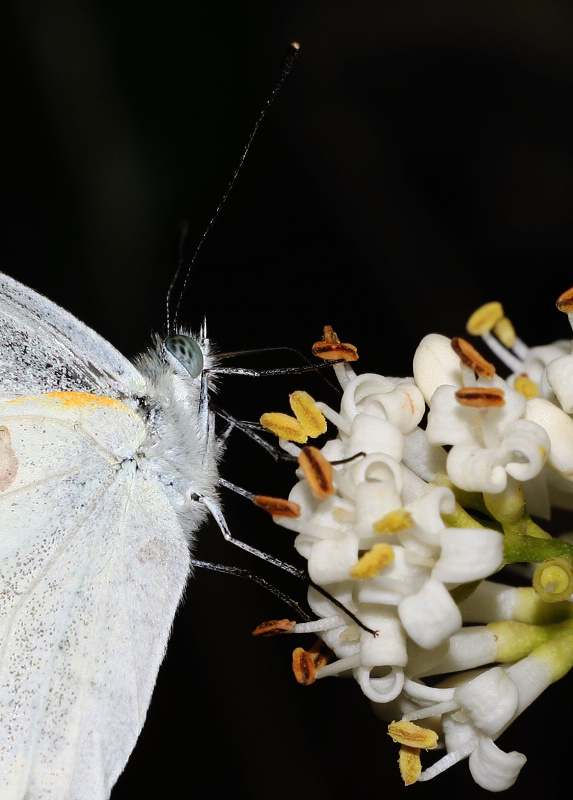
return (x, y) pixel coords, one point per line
(187, 352)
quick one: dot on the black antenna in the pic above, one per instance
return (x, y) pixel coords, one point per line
(287, 64)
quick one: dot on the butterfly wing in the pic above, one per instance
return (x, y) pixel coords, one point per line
(93, 563)
(44, 348)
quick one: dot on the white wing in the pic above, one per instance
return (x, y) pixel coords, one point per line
(93, 563)
(44, 348)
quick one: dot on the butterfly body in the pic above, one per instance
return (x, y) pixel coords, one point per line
(104, 466)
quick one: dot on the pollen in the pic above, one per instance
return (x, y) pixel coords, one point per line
(525, 386)
(565, 301)
(284, 426)
(481, 397)
(394, 522)
(318, 472)
(276, 506)
(471, 358)
(410, 764)
(310, 417)
(273, 627)
(411, 735)
(373, 561)
(332, 349)
(484, 318)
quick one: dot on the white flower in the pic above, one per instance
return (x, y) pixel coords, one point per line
(405, 597)
(488, 443)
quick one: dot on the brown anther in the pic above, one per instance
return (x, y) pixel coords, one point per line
(303, 667)
(273, 627)
(306, 663)
(318, 472)
(480, 397)
(565, 301)
(332, 349)
(276, 506)
(471, 358)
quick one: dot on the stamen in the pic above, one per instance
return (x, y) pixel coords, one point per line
(505, 332)
(484, 318)
(332, 349)
(413, 735)
(525, 386)
(276, 506)
(410, 764)
(394, 522)
(318, 472)
(480, 397)
(284, 426)
(273, 627)
(471, 358)
(308, 414)
(565, 301)
(373, 561)
(306, 663)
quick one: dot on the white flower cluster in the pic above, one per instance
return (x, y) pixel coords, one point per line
(412, 522)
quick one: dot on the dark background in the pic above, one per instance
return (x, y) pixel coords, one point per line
(418, 162)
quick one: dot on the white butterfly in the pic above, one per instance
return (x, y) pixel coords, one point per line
(106, 469)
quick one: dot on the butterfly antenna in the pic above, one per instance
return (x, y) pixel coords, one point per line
(287, 65)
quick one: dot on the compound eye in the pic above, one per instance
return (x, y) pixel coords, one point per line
(187, 352)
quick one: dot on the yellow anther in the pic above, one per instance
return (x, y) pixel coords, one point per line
(410, 764)
(284, 426)
(306, 411)
(373, 561)
(413, 735)
(525, 386)
(394, 522)
(505, 332)
(484, 318)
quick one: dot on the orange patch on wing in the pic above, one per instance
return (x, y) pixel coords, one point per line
(72, 399)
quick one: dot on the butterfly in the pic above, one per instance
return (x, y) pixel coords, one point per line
(107, 469)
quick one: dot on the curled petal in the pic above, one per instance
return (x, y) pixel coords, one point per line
(560, 378)
(559, 427)
(374, 499)
(430, 616)
(331, 560)
(389, 647)
(491, 699)
(370, 434)
(363, 396)
(468, 554)
(477, 469)
(427, 512)
(380, 690)
(492, 768)
(449, 422)
(525, 445)
(436, 364)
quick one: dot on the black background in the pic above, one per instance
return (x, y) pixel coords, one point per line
(418, 163)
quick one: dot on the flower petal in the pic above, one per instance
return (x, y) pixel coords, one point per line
(430, 616)
(468, 554)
